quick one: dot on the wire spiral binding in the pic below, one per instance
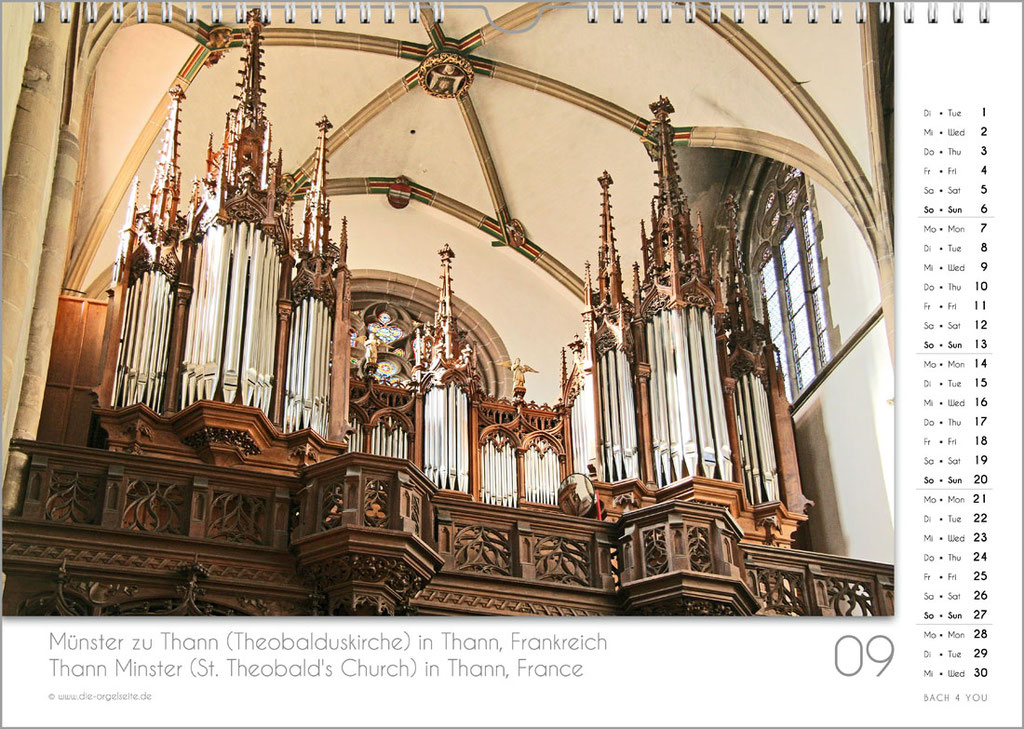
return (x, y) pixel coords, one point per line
(785, 9)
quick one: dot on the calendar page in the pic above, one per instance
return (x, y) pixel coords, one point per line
(511, 364)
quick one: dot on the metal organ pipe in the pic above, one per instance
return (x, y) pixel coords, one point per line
(582, 430)
(724, 450)
(307, 388)
(389, 439)
(142, 354)
(688, 447)
(760, 471)
(499, 484)
(542, 475)
(355, 438)
(446, 437)
(231, 326)
(689, 429)
(618, 417)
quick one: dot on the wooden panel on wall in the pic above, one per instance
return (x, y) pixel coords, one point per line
(75, 370)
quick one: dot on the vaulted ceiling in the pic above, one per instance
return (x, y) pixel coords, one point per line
(550, 107)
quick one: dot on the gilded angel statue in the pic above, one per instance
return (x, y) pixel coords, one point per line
(519, 371)
(372, 347)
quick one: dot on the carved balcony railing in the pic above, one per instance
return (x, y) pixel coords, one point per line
(105, 532)
(365, 491)
(683, 558)
(365, 535)
(793, 582)
(502, 561)
(82, 486)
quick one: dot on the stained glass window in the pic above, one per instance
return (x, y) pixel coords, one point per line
(791, 283)
(383, 328)
(392, 363)
(814, 282)
(773, 312)
(387, 372)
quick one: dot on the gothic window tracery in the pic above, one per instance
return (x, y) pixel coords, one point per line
(789, 269)
(392, 325)
(392, 316)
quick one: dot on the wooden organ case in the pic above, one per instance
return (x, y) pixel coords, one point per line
(239, 463)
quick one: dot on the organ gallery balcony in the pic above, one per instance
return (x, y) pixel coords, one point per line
(119, 532)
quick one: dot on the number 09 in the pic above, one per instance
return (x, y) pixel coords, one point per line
(849, 659)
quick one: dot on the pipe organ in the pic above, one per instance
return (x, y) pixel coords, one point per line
(671, 387)
(226, 303)
(147, 267)
(618, 417)
(753, 420)
(498, 477)
(609, 321)
(754, 378)
(685, 380)
(578, 396)
(677, 300)
(241, 239)
(687, 406)
(541, 472)
(446, 437)
(228, 353)
(389, 439)
(445, 370)
(307, 390)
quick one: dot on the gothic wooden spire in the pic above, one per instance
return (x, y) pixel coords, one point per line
(245, 160)
(609, 277)
(250, 107)
(444, 299)
(674, 255)
(343, 241)
(671, 201)
(317, 221)
(127, 232)
(445, 331)
(739, 305)
(165, 192)
(133, 205)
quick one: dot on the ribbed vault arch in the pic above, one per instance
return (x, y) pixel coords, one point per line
(840, 173)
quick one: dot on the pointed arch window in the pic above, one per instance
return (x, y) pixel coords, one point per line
(795, 307)
(391, 324)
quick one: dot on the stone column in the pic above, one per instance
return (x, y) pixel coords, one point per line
(26, 189)
(44, 313)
